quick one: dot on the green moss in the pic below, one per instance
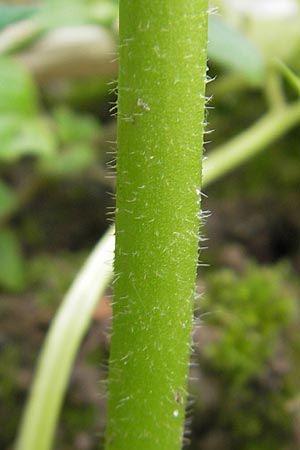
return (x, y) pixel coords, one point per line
(252, 354)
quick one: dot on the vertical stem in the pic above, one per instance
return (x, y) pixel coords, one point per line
(160, 127)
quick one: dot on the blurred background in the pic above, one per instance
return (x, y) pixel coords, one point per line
(58, 66)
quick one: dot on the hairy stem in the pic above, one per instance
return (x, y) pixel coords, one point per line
(160, 127)
(214, 168)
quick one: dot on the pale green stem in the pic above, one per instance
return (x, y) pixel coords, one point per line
(42, 389)
(292, 78)
(252, 141)
(274, 91)
(64, 337)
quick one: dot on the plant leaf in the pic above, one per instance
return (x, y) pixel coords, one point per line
(24, 137)
(14, 13)
(70, 162)
(18, 93)
(57, 13)
(73, 128)
(231, 49)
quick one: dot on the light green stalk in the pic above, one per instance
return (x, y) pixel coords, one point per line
(62, 342)
(94, 269)
(247, 144)
(160, 126)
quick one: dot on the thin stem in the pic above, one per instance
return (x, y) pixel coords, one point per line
(250, 142)
(63, 339)
(160, 116)
(273, 90)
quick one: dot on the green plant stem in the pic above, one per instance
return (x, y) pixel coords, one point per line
(30, 431)
(255, 139)
(274, 90)
(289, 75)
(250, 142)
(160, 115)
(62, 342)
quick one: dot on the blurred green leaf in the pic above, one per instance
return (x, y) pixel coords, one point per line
(231, 49)
(22, 131)
(76, 136)
(20, 137)
(103, 13)
(72, 128)
(72, 161)
(18, 93)
(8, 198)
(57, 13)
(10, 14)
(12, 267)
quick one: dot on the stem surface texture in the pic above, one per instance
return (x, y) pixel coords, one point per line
(160, 128)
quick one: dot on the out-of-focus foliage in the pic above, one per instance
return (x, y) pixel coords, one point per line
(251, 312)
(231, 49)
(49, 138)
(61, 143)
(249, 358)
(10, 14)
(273, 26)
(51, 276)
(18, 94)
(76, 136)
